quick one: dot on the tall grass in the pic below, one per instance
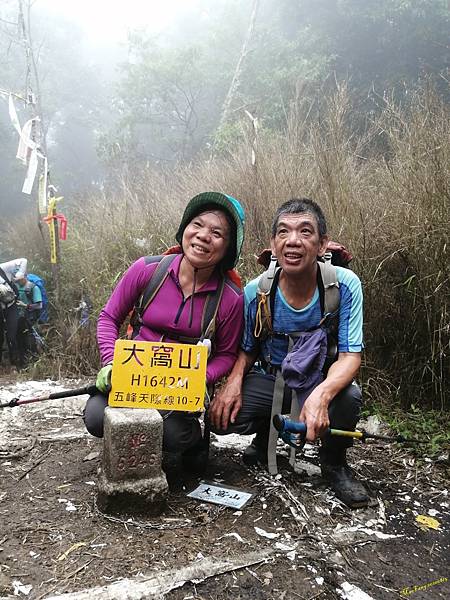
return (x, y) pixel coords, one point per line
(384, 188)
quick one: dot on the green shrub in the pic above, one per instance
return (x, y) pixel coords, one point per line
(384, 188)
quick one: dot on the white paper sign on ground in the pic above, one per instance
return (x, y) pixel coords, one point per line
(232, 497)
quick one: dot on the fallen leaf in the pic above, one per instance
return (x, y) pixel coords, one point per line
(349, 591)
(21, 588)
(427, 522)
(71, 549)
(91, 456)
(284, 547)
(266, 534)
(235, 535)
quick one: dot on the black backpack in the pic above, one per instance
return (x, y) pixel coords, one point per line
(208, 327)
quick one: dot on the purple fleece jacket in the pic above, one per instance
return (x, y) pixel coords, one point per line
(169, 313)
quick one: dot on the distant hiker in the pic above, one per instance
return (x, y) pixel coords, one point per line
(84, 310)
(210, 235)
(294, 337)
(9, 314)
(30, 298)
(40, 283)
(30, 304)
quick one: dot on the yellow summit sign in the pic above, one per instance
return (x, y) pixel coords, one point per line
(158, 375)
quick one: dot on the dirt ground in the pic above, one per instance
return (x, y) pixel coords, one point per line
(54, 540)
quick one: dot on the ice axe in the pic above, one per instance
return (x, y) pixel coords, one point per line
(89, 389)
(289, 429)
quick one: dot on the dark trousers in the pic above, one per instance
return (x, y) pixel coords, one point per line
(26, 341)
(9, 318)
(181, 430)
(257, 396)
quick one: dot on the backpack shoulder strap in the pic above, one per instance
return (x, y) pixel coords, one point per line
(328, 287)
(11, 283)
(210, 311)
(6, 278)
(155, 283)
(266, 280)
(330, 300)
(265, 298)
(29, 286)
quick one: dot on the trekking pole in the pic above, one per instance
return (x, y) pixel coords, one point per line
(89, 389)
(288, 428)
(37, 336)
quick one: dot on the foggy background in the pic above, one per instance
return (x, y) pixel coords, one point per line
(126, 84)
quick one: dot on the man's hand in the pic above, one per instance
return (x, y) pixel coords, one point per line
(315, 410)
(228, 401)
(226, 405)
(315, 415)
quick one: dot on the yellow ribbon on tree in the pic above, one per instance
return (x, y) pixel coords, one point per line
(52, 229)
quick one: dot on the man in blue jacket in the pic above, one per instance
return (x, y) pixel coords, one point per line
(244, 404)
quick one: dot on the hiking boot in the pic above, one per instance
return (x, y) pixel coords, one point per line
(256, 452)
(344, 485)
(171, 462)
(195, 460)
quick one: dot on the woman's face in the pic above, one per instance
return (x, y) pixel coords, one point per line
(206, 239)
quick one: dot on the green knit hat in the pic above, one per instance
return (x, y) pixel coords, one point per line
(229, 205)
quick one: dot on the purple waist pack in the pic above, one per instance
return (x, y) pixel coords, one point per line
(302, 366)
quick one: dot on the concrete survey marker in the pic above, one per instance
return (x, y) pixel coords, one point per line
(131, 480)
(158, 375)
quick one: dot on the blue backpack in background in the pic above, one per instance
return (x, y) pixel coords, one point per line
(43, 317)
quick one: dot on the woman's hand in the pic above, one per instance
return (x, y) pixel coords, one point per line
(103, 381)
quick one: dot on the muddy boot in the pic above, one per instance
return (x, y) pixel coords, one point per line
(256, 452)
(195, 459)
(171, 462)
(339, 476)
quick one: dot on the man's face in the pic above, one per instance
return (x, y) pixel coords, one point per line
(297, 243)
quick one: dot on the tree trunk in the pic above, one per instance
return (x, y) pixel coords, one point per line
(236, 81)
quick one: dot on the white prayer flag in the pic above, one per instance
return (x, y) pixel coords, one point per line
(13, 115)
(42, 194)
(22, 150)
(31, 173)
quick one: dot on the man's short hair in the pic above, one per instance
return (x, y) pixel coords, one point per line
(296, 206)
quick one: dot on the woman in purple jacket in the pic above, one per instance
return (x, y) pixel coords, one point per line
(210, 235)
